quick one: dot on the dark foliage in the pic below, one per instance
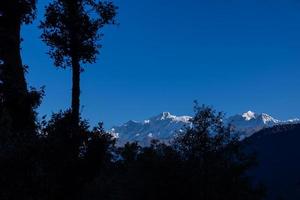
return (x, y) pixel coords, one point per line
(18, 128)
(205, 162)
(214, 160)
(17, 103)
(68, 164)
(23, 11)
(55, 164)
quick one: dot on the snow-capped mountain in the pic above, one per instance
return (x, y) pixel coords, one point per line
(248, 123)
(165, 126)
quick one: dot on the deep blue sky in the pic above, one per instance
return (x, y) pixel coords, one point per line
(237, 55)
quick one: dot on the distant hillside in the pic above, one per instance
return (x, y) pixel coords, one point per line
(278, 151)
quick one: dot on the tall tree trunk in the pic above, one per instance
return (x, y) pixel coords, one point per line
(75, 93)
(15, 96)
(72, 7)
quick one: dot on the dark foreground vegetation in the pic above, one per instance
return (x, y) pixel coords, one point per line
(64, 158)
(56, 165)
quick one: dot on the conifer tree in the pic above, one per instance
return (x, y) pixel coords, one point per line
(72, 31)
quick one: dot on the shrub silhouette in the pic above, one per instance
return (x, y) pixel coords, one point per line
(204, 162)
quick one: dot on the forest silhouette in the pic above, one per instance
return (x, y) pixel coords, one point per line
(64, 158)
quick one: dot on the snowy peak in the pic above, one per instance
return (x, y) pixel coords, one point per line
(165, 126)
(265, 118)
(251, 119)
(249, 115)
(268, 119)
(248, 123)
(166, 115)
(163, 116)
(169, 117)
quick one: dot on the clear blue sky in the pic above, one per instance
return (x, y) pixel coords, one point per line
(236, 55)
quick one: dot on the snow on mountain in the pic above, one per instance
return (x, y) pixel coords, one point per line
(165, 126)
(248, 115)
(248, 123)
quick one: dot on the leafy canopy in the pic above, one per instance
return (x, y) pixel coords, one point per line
(23, 10)
(71, 29)
(28, 10)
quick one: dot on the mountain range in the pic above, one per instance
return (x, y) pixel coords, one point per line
(274, 142)
(166, 126)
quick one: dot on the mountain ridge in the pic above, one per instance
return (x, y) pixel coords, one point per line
(166, 126)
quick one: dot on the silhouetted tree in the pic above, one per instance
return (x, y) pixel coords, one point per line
(59, 157)
(215, 165)
(205, 162)
(71, 30)
(100, 148)
(18, 134)
(66, 166)
(17, 103)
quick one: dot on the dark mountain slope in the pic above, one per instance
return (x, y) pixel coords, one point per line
(278, 151)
